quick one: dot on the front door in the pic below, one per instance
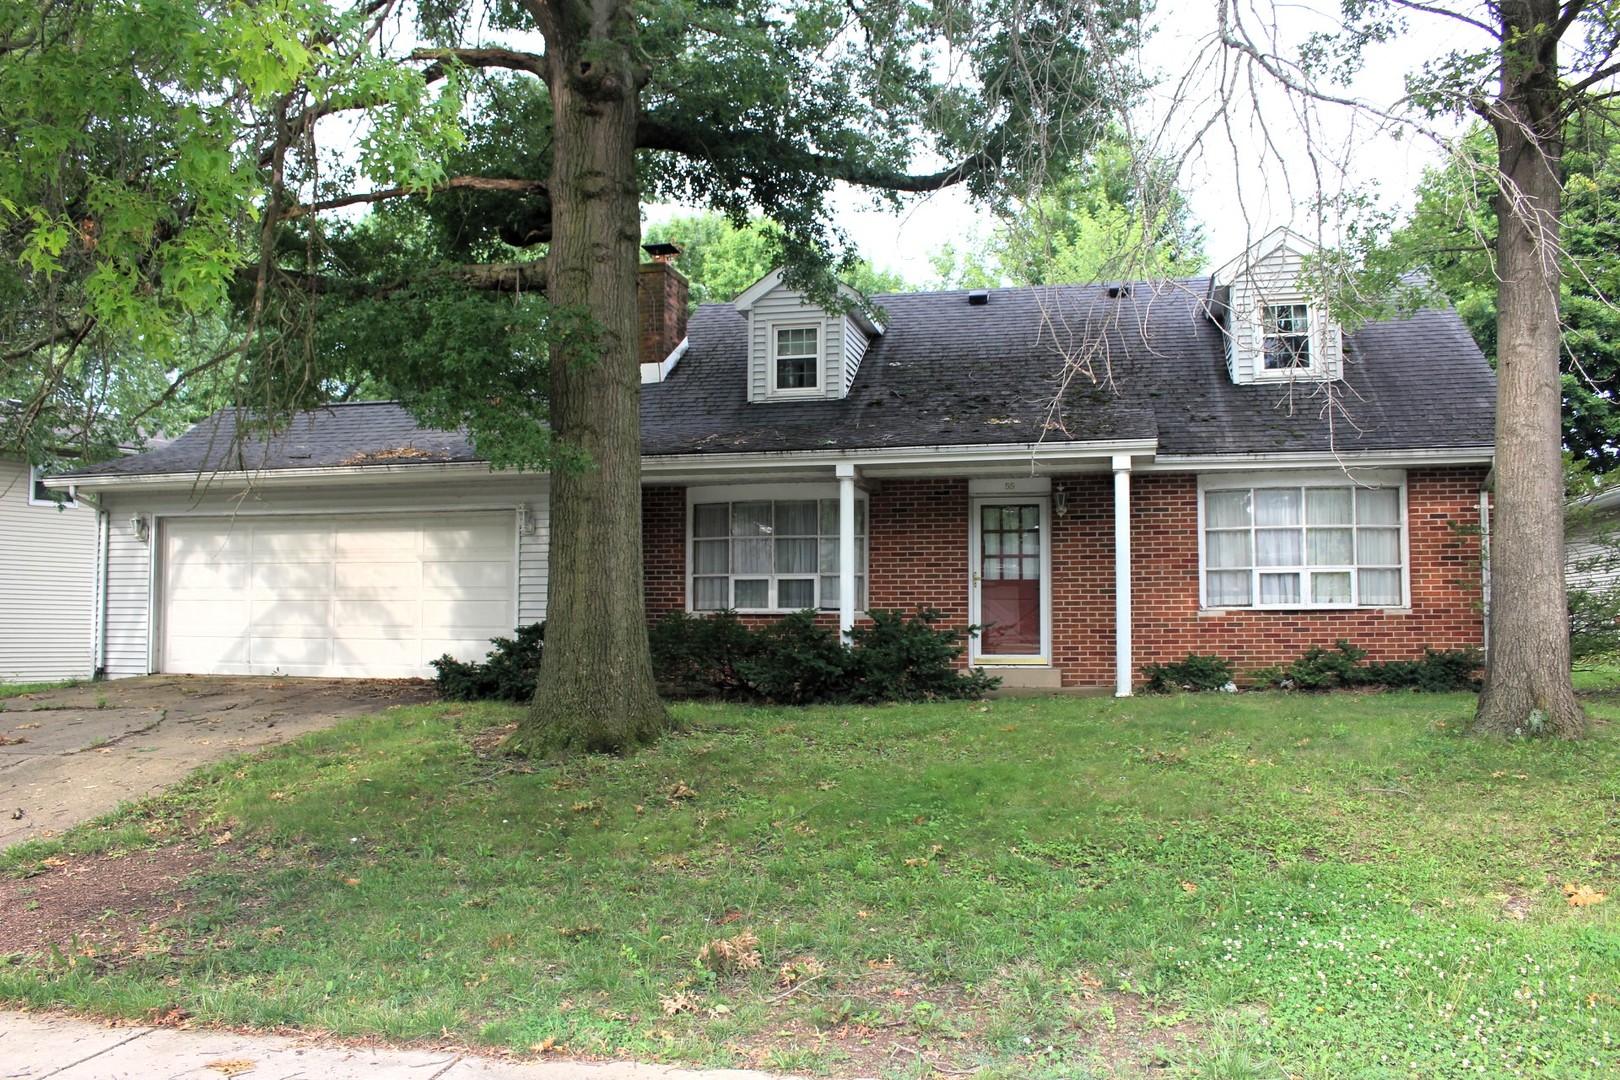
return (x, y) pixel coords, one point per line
(1010, 571)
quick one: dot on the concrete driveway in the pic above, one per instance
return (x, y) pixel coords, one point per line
(70, 755)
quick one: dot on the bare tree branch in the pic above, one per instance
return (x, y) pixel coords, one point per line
(472, 183)
(511, 59)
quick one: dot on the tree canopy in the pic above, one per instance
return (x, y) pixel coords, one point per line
(1451, 233)
(1116, 215)
(720, 259)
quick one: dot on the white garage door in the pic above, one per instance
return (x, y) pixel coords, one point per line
(374, 597)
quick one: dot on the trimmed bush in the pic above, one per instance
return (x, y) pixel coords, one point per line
(1340, 668)
(508, 672)
(796, 661)
(1194, 673)
(911, 659)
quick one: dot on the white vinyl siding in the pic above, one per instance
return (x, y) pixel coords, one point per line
(47, 584)
(855, 344)
(131, 595)
(127, 648)
(1270, 282)
(786, 308)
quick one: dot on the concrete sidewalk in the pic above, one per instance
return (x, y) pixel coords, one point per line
(37, 1045)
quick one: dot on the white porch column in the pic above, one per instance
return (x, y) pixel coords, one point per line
(846, 549)
(1122, 575)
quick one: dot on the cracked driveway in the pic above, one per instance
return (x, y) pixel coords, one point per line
(74, 754)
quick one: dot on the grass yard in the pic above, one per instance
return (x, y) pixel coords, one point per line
(1218, 886)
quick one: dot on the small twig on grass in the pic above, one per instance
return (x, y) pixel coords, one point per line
(933, 1065)
(1388, 791)
(794, 989)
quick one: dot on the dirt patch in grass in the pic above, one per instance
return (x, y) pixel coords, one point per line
(102, 907)
(885, 1025)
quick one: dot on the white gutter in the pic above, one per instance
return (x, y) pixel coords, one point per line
(1482, 455)
(280, 477)
(979, 453)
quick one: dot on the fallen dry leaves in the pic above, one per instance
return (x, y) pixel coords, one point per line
(1583, 895)
(232, 1066)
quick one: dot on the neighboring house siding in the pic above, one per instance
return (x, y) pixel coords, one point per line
(47, 584)
(1593, 561)
(919, 558)
(130, 596)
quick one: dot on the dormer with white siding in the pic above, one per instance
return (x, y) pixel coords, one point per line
(797, 349)
(1277, 329)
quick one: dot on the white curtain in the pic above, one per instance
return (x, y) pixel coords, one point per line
(1277, 547)
(1279, 588)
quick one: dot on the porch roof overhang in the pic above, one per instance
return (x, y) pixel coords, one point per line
(1028, 459)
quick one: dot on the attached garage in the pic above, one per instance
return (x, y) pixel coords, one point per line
(372, 596)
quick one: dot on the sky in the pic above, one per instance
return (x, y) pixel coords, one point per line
(1237, 194)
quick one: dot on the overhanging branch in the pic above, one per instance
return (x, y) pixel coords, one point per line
(464, 183)
(510, 59)
(714, 145)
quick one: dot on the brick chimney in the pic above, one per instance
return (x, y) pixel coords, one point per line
(661, 295)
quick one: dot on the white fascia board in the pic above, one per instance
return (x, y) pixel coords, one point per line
(992, 453)
(1483, 455)
(757, 291)
(282, 477)
(859, 310)
(657, 373)
(1262, 249)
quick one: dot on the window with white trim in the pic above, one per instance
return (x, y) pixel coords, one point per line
(40, 495)
(772, 555)
(796, 359)
(1287, 329)
(1303, 546)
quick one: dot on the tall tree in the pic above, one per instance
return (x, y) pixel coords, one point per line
(1537, 65)
(755, 107)
(1451, 234)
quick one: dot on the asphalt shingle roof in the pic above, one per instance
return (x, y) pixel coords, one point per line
(360, 433)
(1063, 365)
(1142, 365)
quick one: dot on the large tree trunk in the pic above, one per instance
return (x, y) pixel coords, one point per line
(596, 690)
(1527, 680)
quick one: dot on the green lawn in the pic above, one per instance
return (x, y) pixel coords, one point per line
(1261, 884)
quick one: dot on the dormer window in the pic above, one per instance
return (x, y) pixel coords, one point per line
(1277, 328)
(799, 350)
(797, 357)
(1287, 337)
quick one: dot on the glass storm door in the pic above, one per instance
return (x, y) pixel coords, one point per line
(1009, 569)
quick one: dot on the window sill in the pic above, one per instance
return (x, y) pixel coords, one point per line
(1299, 609)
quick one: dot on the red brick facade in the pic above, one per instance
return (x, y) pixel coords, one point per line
(919, 557)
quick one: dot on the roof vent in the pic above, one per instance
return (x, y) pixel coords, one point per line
(1117, 291)
(979, 297)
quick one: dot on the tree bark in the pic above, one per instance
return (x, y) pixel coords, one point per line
(596, 691)
(1527, 679)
